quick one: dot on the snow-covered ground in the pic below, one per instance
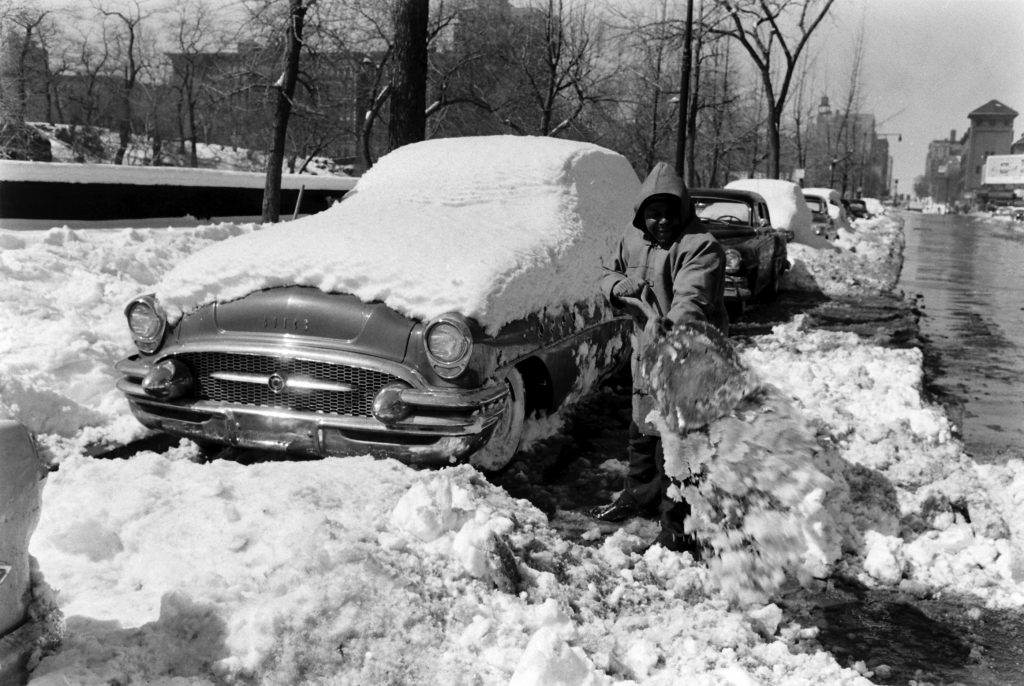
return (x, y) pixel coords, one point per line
(160, 570)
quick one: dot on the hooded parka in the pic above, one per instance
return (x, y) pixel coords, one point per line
(687, 278)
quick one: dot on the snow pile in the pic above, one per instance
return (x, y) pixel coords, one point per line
(868, 262)
(921, 514)
(521, 224)
(67, 290)
(363, 571)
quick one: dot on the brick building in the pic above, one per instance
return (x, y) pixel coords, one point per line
(990, 133)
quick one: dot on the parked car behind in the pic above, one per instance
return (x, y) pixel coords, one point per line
(856, 208)
(820, 220)
(832, 200)
(755, 250)
(450, 296)
(874, 206)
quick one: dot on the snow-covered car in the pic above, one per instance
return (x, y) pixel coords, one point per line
(856, 208)
(446, 301)
(834, 203)
(821, 222)
(874, 206)
(755, 250)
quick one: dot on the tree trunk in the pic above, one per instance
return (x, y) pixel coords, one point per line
(408, 122)
(684, 93)
(285, 92)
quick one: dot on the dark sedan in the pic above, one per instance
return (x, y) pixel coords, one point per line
(756, 255)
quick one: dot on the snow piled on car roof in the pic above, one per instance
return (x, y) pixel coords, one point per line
(494, 227)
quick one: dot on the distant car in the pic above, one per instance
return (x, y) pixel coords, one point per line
(293, 367)
(836, 208)
(856, 208)
(756, 255)
(821, 222)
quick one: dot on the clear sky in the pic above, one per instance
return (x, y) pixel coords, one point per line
(927, 65)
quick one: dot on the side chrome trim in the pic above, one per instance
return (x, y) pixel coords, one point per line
(300, 382)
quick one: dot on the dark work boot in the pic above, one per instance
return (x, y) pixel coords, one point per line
(622, 508)
(678, 543)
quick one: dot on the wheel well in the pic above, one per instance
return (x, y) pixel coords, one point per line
(537, 384)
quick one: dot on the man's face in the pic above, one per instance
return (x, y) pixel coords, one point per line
(661, 217)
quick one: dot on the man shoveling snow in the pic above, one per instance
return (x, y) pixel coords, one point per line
(667, 257)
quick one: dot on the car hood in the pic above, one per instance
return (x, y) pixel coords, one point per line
(336, 320)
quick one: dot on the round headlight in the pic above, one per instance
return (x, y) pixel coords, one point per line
(147, 322)
(733, 261)
(448, 342)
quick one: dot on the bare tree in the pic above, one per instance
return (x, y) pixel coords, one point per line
(767, 29)
(195, 37)
(285, 86)
(558, 64)
(646, 89)
(24, 31)
(531, 69)
(29, 24)
(129, 56)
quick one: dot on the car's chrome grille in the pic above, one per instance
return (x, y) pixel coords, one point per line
(209, 370)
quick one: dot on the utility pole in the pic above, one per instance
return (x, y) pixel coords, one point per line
(684, 92)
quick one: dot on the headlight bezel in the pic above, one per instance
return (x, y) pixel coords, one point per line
(452, 330)
(733, 261)
(148, 339)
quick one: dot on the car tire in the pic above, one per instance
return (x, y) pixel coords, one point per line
(734, 310)
(207, 451)
(504, 442)
(771, 290)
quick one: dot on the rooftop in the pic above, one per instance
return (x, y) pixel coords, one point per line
(993, 107)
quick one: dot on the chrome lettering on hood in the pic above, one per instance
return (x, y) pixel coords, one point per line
(286, 323)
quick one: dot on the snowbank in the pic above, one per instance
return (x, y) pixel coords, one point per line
(868, 262)
(361, 571)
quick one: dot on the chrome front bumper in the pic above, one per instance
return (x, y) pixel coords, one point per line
(443, 425)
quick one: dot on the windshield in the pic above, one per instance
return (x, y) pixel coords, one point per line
(722, 210)
(816, 204)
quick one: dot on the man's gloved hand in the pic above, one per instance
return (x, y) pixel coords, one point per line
(629, 287)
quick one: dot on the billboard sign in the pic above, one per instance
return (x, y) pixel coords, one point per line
(1004, 169)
